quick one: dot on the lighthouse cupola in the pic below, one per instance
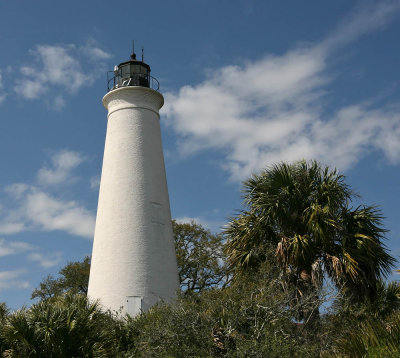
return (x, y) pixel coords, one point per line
(131, 73)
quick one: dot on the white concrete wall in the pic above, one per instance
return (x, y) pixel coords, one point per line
(133, 249)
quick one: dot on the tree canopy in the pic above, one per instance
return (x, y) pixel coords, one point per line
(303, 211)
(298, 228)
(73, 278)
(200, 257)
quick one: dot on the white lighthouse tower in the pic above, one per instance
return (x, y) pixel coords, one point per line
(133, 260)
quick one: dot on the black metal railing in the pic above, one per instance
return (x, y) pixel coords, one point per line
(141, 80)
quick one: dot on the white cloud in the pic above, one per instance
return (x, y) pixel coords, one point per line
(189, 219)
(62, 163)
(2, 93)
(48, 214)
(366, 18)
(270, 110)
(17, 189)
(8, 247)
(30, 89)
(41, 211)
(46, 260)
(58, 103)
(8, 226)
(35, 209)
(212, 225)
(95, 183)
(11, 279)
(60, 68)
(95, 53)
(55, 65)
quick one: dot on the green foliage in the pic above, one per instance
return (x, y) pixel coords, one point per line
(386, 302)
(250, 318)
(48, 288)
(371, 339)
(74, 278)
(200, 258)
(3, 312)
(302, 212)
(363, 321)
(201, 262)
(298, 229)
(67, 326)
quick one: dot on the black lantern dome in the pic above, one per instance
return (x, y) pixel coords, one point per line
(131, 73)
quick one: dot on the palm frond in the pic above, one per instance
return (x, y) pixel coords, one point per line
(303, 211)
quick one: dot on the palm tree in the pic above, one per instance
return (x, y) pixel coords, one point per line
(372, 338)
(302, 211)
(67, 326)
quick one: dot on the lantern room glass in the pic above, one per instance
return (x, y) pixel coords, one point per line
(133, 73)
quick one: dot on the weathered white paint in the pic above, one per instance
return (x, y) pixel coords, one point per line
(133, 249)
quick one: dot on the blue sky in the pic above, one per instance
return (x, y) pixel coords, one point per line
(246, 84)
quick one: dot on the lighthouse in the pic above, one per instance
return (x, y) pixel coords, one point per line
(133, 260)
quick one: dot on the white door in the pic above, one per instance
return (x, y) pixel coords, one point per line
(133, 305)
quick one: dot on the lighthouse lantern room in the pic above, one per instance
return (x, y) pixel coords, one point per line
(131, 73)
